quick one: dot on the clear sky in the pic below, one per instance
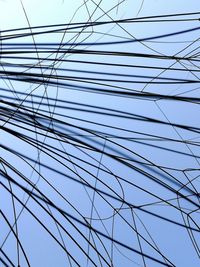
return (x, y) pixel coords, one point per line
(99, 133)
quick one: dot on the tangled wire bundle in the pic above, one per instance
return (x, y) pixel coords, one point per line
(99, 137)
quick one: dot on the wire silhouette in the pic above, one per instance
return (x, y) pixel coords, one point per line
(100, 140)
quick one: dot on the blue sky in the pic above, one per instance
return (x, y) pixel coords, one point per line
(101, 137)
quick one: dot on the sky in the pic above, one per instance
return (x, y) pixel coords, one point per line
(99, 138)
